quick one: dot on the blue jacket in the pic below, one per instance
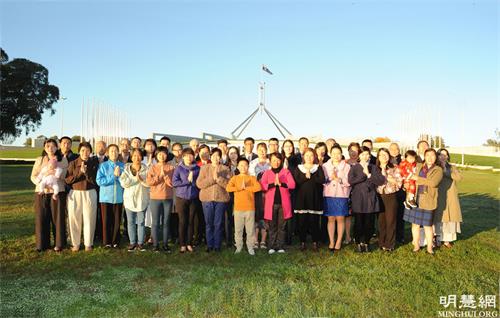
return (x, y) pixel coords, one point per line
(183, 188)
(110, 189)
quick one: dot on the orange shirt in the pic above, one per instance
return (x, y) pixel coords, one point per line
(243, 197)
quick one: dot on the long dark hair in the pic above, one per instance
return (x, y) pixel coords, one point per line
(58, 152)
(389, 163)
(283, 151)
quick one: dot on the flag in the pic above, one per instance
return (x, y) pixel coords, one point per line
(265, 69)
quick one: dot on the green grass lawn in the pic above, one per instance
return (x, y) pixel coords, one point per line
(346, 284)
(476, 160)
(26, 152)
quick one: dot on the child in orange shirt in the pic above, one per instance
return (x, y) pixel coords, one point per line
(244, 187)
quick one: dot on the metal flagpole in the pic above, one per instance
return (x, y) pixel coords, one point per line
(81, 119)
(463, 135)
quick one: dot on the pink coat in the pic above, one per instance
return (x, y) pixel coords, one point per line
(267, 183)
(340, 188)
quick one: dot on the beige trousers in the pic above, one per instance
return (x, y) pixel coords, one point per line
(82, 209)
(244, 220)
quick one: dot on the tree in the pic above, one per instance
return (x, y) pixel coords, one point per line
(25, 96)
(382, 139)
(76, 138)
(28, 142)
(437, 141)
(494, 142)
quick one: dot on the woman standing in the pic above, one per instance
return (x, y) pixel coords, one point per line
(389, 195)
(277, 183)
(234, 154)
(309, 178)
(290, 160)
(428, 177)
(212, 183)
(49, 213)
(353, 151)
(448, 215)
(336, 192)
(257, 168)
(321, 153)
(186, 197)
(159, 179)
(111, 196)
(82, 199)
(364, 179)
(135, 199)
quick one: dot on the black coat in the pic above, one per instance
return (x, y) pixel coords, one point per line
(309, 192)
(364, 197)
(293, 162)
(252, 157)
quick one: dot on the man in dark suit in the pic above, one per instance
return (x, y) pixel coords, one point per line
(368, 143)
(248, 149)
(100, 157)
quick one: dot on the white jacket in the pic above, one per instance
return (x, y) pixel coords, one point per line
(136, 192)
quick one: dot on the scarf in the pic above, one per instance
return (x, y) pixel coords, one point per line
(423, 174)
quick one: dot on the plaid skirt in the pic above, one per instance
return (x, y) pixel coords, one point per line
(418, 216)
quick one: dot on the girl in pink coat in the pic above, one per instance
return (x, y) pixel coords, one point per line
(276, 184)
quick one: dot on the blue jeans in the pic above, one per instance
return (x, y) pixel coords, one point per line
(214, 215)
(160, 210)
(135, 226)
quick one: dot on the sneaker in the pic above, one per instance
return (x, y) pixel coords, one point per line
(359, 248)
(407, 205)
(271, 251)
(281, 251)
(167, 249)
(156, 249)
(238, 251)
(263, 245)
(366, 248)
(75, 248)
(256, 245)
(140, 247)
(57, 249)
(107, 246)
(251, 252)
(115, 245)
(88, 248)
(413, 204)
(131, 248)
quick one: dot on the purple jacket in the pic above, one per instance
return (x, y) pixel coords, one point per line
(183, 188)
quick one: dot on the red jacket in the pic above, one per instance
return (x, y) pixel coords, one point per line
(406, 168)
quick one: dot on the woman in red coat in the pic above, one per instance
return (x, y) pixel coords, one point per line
(276, 184)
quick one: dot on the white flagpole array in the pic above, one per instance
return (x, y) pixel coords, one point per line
(102, 122)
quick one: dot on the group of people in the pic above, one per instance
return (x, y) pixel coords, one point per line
(197, 194)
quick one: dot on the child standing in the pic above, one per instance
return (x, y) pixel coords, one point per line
(407, 169)
(244, 187)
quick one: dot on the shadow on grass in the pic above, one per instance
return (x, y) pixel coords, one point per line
(480, 213)
(15, 177)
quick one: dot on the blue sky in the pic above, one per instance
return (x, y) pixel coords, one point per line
(342, 68)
